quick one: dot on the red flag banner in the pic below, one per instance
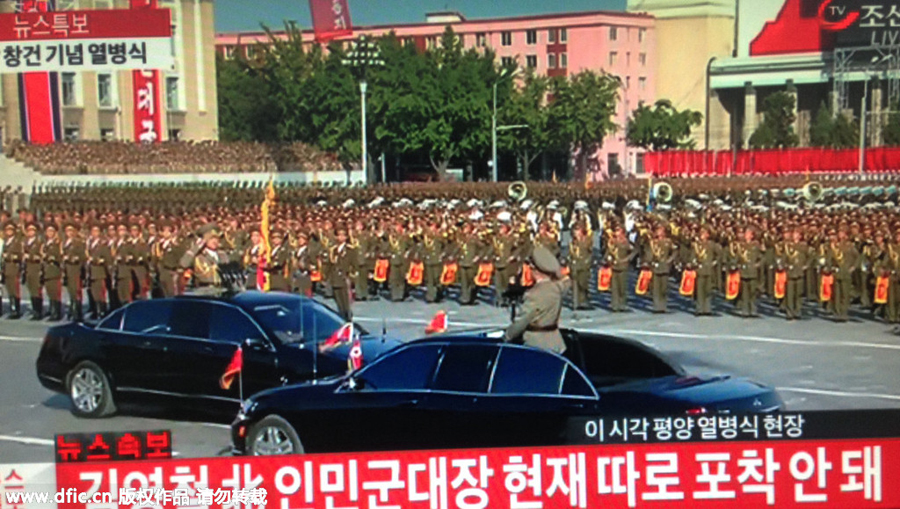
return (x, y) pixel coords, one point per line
(331, 19)
(448, 275)
(643, 282)
(604, 279)
(438, 324)
(39, 105)
(234, 367)
(483, 276)
(733, 285)
(342, 335)
(882, 284)
(355, 357)
(147, 105)
(780, 284)
(381, 270)
(826, 287)
(415, 273)
(688, 283)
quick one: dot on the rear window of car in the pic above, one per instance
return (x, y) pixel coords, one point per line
(465, 368)
(408, 369)
(148, 317)
(527, 371)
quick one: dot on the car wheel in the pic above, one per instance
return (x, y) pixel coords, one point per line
(90, 391)
(273, 436)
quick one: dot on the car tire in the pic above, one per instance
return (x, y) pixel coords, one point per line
(89, 391)
(273, 436)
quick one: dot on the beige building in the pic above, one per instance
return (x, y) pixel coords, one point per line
(689, 34)
(98, 105)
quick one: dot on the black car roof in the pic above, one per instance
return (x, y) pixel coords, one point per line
(250, 299)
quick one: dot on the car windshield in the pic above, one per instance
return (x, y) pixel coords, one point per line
(308, 321)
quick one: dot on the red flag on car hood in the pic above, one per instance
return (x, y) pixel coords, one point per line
(234, 367)
(438, 324)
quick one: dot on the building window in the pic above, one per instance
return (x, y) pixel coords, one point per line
(551, 61)
(563, 60)
(551, 35)
(104, 90)
(103, 4)
(431, 43)
(480, 39)
(641, 34)
(628, 59)
(642, 59)
(531, 37)
(613, 33)
(506, 38)
(107, 134)
(68, 89)
(563, 35)
(507, 61)
(531, 61)
(613, 58)
(229, 52)
(172, 93)
(251, 51)
(627, 82)
(174, 134)
(71, 133)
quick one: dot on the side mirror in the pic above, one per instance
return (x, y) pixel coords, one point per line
(355, 384)
(256, 344)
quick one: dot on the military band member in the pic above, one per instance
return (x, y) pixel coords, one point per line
(99, 261)
(871, 257)
(796, 261)
(747, 256)
(52, 256)
(503, 258)
(844, 262)
(704, 258)
(581, 254)
(660, 255)
(398, 250)
(891, 268)
(74, 258)
(13, 255)
(33, 269)
(361, 242)
(620, 253)
(433, 253)
(470, 253)
(343, 263)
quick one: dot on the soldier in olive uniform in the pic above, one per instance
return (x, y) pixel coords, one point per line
(470, 250)
(398, 247)
(581, 254)
(140, 263)
(99, 260)
(204, 258)
(123, 255)
(251, 259)
(795, 261)
(703, 258)
(53, 271)
(13, 253)
(620, 252)
(538, 322)
(280, 264)
(660, 255)
(74, 257)
(872, 255)
(168, 260)
(433, 253)
(844, 262)
(361, 242)
(747, 257)
(33, 269)
(303, 263)
(343, 264)
(891, 268)
(503, 258)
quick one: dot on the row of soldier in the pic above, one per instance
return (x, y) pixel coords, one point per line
(829, 258)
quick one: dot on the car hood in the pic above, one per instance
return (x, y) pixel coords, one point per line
(372, 347)
(720, 393)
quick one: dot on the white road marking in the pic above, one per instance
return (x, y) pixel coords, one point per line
(20, 339)
(27, 440)
(840, 394)
(417, 321)
(214, 425)
(757, 339)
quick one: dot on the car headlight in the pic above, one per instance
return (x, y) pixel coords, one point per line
(246, 408)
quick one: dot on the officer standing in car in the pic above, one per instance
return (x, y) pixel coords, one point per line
(538, 323)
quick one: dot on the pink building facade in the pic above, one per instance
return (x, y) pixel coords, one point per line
(619, 43)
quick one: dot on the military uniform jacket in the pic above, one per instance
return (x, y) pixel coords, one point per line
(550, 242)
(206, 267)
(281, 259)
(538, 323)
(433, 250)
(167, 252)
(398, 246)
(581, 254)
(470, 251)
(304, 260)
(99, 259)
(704, 257)
(502, 252)
(871, 259)
(251, 256)
(843, 260)
(660, 254)
(74, 253)
(13, 253)
(33, 258)
(795, 257)
(343, 265)
(747, 257)
(53, 260)
(140, 253)
(619, 255)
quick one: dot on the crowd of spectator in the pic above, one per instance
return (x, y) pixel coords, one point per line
(120, 157)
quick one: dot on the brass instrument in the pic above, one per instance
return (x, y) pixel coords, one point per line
(662, 192)
(813, 192)
(517, 191)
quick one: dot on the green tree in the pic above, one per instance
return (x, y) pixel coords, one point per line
(822, 127)
(581, 115)
(662, 127)
(776, 130)
(845, 133)
(245, 107)
(892, 127)
(526, 106)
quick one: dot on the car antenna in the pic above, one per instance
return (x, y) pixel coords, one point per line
(383, 328)
(315, 345)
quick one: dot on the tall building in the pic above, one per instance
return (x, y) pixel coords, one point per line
(622, 44)
(101, 105)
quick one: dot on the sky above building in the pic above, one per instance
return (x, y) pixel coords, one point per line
(235, 15)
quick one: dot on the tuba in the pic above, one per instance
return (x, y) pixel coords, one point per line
(517, 191)
(662, 192)
(813, 192)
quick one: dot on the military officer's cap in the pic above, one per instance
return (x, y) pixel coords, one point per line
(9, 226)
(51, 226)
(545, 262)
(209, 231)
(31, 226)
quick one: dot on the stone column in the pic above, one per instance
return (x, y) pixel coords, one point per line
(792, 91)
(751, 117)
(876, 118)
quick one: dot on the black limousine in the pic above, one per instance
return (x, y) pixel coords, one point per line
(180, 348)
(471, 390)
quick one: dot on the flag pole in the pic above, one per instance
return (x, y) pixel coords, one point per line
(241, 380)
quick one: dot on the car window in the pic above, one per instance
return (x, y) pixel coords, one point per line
(190, 319)
(148, 317)
(621, 360)
(113, 321)
(230, 325)
(527, 371)
(410, 369)
(465, 368)
(314, 320)
(574, 384)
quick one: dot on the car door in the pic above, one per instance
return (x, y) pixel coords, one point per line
(229, 328)
(383, 409)
(455, 403)
(192, 353)
(139, 352)
(532, 395)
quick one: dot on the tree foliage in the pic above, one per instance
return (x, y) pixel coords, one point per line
(892, 126)
(245, 107)
(828, 130)
(777, 128)
(527, 106)
(662, 127)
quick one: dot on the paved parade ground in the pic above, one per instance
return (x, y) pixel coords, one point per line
(815, 364)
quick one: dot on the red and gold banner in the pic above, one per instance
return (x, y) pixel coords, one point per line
(331, 19)
(39, 105)
(415, 274)
(643, 282)
(146, 96)
(688, 283)
(382, 265)
(882, 285)
(604, 279)
(780, 284)
(315, 275)
(733, 285)
(826, 287)
(448, 274)
(484, 274)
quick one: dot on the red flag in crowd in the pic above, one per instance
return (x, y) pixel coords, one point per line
(234, 367)
(438, 324)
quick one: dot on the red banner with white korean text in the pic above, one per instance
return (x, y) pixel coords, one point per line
(855, 474)
(147, 103)
(680, 163)
(39, 102)
(331, 19)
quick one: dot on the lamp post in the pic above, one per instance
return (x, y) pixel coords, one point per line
(494, 172)
(361, 59)
(877, 60)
